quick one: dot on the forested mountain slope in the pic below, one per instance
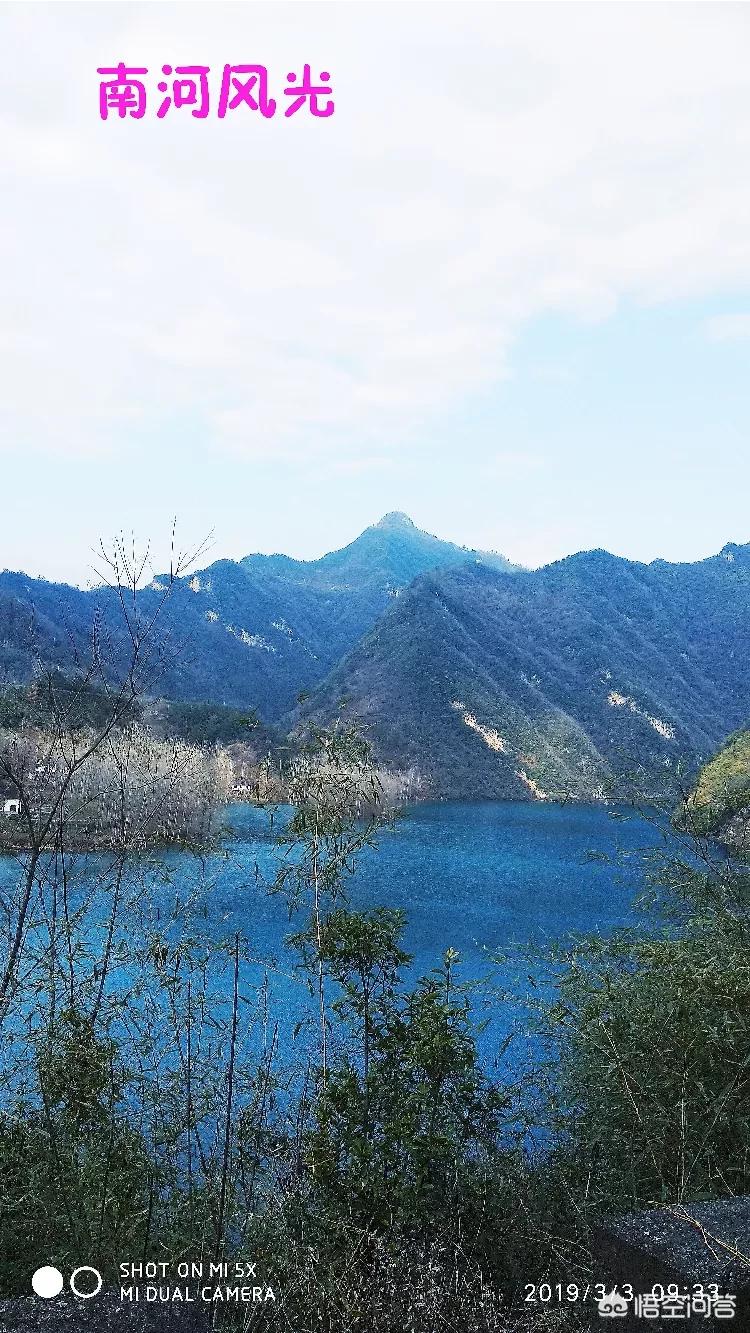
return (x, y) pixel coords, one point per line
(251, 634)
(558, 681)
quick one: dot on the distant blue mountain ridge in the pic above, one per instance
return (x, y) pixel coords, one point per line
(484, 679)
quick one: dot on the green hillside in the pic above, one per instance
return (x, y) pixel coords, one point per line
(719, 805)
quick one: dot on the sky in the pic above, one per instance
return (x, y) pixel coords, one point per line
(505, 287)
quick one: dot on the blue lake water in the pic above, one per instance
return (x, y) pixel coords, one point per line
(479, 878)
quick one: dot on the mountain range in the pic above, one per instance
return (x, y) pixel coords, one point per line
(253, 633)
(486, 679)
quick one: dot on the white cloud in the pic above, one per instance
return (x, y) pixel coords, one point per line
(303, 288)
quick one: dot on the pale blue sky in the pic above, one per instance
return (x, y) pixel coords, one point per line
(506, 288)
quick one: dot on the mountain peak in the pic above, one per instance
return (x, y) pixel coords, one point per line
(394, 520)
(733, 551)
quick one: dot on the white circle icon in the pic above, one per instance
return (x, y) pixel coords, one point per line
(47, 1282)
(98, 1279)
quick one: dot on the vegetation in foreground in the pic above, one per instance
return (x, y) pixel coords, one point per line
(381, 1180)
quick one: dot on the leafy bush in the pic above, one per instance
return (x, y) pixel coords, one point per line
(649, 1093)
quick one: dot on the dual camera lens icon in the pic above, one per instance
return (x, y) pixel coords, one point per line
(84, 1282)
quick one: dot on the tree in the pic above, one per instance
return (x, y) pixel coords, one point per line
(335, 791)
(406, 1114)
